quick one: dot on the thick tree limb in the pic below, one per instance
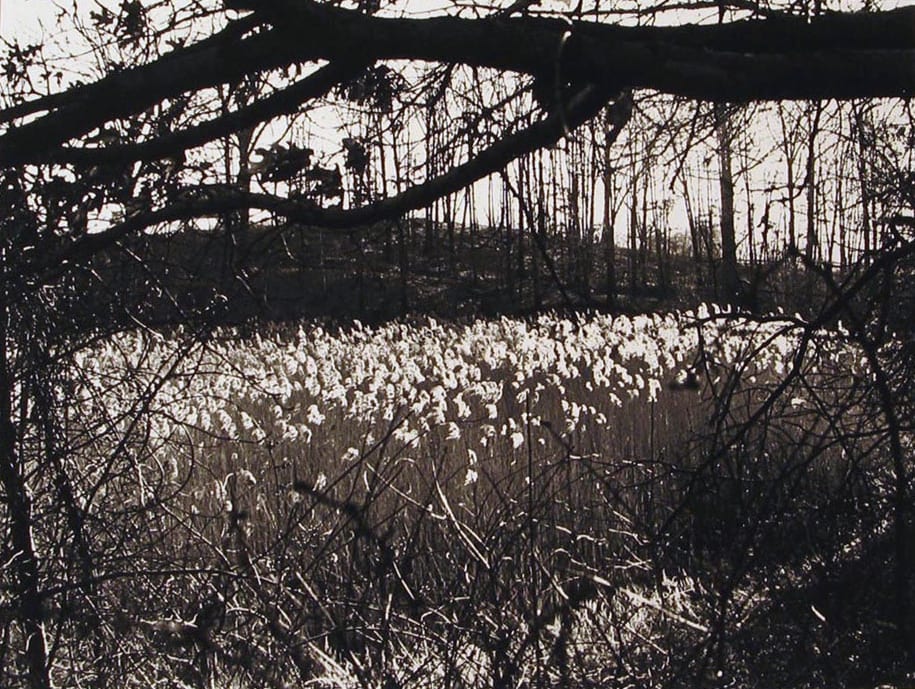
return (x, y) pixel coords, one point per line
(126, 93)
(233, 31)
(839, 56)
(285, 101)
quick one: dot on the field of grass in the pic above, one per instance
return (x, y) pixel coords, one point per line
(543, 502)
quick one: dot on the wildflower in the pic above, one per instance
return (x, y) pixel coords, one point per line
(314, 415)
(226, 423)
(288, 432)
(246, 477)
(654, 387)
(462, 410)
(405, 435)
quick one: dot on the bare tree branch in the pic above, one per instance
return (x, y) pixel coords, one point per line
(215, 200)
(836, 56)
(283, 102)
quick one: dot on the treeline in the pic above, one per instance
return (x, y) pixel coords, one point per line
(691, 202)
(390, 272)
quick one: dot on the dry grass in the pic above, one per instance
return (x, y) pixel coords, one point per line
(437, 505)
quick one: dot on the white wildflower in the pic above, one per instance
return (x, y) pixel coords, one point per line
(314, 415)
(654, 387)
(288, 432)
(462, 409)
(226, 423)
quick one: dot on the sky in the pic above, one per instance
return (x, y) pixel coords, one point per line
(21, 18)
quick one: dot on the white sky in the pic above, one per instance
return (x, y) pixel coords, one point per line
(20, 19)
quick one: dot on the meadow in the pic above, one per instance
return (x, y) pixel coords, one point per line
(555, 501)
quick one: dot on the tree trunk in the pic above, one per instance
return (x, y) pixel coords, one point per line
(404, 267)
(730, 285)
(24, 558)
(660, 253)
(608, 238)
(863, 136)
(633, 235)
(812, 250)
(695, 239)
